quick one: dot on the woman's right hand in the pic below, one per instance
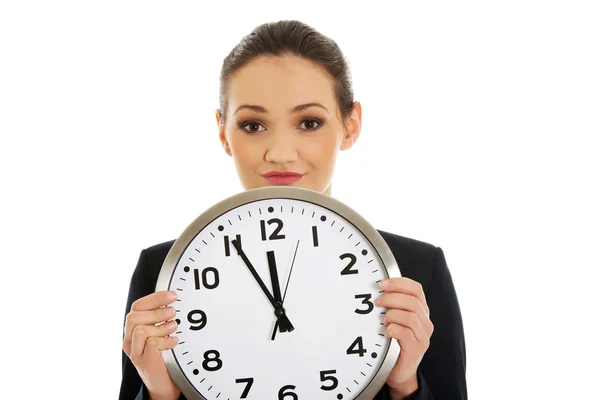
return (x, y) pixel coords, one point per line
(144, 342)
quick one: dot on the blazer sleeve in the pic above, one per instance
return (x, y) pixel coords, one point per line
(131, 383)
(444, 365)
(442, 372)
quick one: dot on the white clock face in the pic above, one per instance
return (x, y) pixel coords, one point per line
(230, 345)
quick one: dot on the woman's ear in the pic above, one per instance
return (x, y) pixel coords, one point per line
(222, 137)
(353, 126)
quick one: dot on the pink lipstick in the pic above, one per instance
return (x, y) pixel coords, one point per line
(282, 177)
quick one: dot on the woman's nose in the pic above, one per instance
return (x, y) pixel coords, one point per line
(281, 149)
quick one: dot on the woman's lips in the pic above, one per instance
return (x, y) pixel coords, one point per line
(282, 178)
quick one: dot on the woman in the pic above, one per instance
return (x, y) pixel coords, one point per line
(286, 104)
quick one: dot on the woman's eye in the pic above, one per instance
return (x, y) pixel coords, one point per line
(253, 127)
(311, 124)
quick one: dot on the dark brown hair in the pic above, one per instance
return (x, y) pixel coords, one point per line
(289, 37)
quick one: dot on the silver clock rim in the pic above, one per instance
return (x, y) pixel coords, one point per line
(285, 192)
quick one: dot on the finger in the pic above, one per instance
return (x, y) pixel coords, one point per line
(408, 320)
(406, 286)
(154, 300)
(135, 318)
(142, 332)
(401, 301)
(403, 334)
(157, 344)
(408, 343)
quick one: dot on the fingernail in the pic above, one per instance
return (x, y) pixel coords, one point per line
(172, 295)
(377, 301)
(171, 324)
(384, 284)
(172, 311)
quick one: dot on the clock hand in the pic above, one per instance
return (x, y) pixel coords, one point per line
(274, 277)
(278, 306)
(285, 292)
(291, 268)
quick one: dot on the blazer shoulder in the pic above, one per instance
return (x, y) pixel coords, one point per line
(408, 244)
(148, 268)
(159, 251)
(416, 259)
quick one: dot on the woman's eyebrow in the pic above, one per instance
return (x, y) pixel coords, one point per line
(303, 107)
(251, 107)
(298, 108)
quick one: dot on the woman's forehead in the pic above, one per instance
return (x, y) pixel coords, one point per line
(280, 83)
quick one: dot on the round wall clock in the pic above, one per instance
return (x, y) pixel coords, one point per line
(276, 290)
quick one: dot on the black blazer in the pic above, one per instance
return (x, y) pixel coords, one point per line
(442, 372)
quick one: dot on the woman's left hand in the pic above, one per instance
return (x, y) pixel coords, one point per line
(407, 320)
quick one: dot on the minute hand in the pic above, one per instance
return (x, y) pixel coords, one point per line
(284, 322)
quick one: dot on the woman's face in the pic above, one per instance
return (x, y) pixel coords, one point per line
(283, 126)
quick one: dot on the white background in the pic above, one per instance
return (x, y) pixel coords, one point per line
(481, 124)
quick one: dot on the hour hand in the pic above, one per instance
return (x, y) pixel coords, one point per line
(275, 284)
